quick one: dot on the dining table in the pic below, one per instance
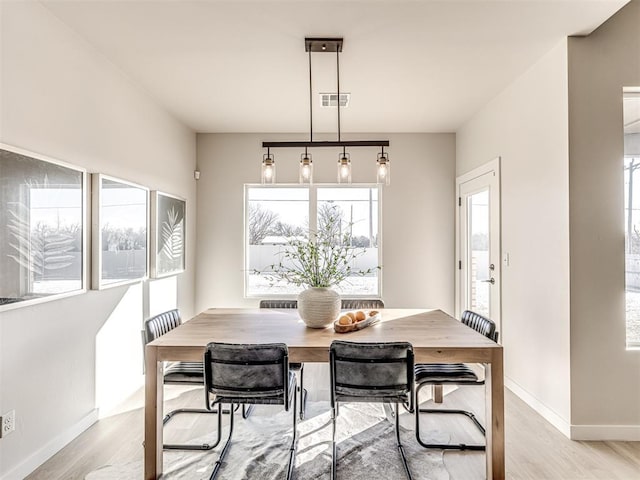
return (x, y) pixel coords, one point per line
(436, 337)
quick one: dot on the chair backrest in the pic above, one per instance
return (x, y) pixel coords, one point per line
(347, 303)
(247, 370)
(278, 304)
(371, 371)
(483, 325)
(160, 324)
(361, 303)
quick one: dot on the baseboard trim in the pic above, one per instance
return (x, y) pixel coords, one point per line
(40, 456)
(549, 415)
(623, 433)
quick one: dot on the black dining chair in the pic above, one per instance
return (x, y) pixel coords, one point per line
(371, 372)
(249, 374)
(440, 374)
(179, 373)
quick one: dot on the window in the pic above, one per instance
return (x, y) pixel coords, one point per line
(275, 214)
(632, 213)
(632, 248)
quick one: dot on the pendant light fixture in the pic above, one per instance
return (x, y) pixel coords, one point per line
(306, 168)
(384, 168)
(325, 45)
(268, 168)
(344, 167)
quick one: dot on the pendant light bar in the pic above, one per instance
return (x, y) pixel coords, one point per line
(329, 143)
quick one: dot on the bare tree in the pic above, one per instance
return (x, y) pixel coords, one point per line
(261, 222)
(286, 230)
(330, 220)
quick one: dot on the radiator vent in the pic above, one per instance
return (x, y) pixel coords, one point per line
(331, 99)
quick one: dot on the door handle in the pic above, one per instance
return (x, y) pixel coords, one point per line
(490, 280)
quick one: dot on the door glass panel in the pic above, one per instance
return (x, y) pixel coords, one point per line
(479, 274)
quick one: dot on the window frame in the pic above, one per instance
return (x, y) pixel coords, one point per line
(313, 209)
(630, 345)
(85, 225)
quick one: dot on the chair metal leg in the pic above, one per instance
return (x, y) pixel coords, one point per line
(399, 444)
(303, 393)
(388, 412)
(178, 411)
(175, 446)
(446, 446)
(294, 440)
(225, 449)
(334, 450)
(246, 410)
(218, 464)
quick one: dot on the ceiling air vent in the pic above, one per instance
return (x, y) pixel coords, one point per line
(331, 99)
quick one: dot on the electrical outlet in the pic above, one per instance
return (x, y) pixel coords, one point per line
(8, 423)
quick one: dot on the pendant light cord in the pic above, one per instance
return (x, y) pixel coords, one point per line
(338, 75)
(310, 101)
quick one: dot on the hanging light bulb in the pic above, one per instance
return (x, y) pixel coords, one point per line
(344, 167)
(306, 168)
(268, 169)
(384, 168)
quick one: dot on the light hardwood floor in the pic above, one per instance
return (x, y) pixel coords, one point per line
(534, 449)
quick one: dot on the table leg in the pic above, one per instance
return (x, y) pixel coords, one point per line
(494, 392)
(153, 398)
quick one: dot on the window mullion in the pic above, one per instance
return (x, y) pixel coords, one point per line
(313, 209)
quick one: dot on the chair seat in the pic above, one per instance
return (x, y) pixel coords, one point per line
(260, 397)
(444, 373)
(184, 372)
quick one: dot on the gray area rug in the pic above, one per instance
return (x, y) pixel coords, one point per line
(260, 446)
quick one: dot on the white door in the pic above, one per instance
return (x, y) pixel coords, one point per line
(478, 283)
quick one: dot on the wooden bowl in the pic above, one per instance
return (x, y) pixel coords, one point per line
(370, 320)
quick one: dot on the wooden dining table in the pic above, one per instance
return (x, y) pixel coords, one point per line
(436, 338)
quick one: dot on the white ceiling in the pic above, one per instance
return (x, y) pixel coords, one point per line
(239, 66)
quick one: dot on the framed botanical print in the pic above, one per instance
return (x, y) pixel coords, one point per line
(43, 234)
(120, 232)
(168, 214)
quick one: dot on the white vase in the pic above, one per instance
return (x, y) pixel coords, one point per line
(318, 306)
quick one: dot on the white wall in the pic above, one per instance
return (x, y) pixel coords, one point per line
(417, 217)
(526, 125)
(605, 377)
(61, 98)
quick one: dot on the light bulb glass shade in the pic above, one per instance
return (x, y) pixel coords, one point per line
(306, 169)
(268, 169)
(383, 169)
(344, 168)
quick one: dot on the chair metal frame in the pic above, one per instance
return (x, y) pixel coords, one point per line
(361, 392)
(236, 394)
(466, 376)
(155, 327)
